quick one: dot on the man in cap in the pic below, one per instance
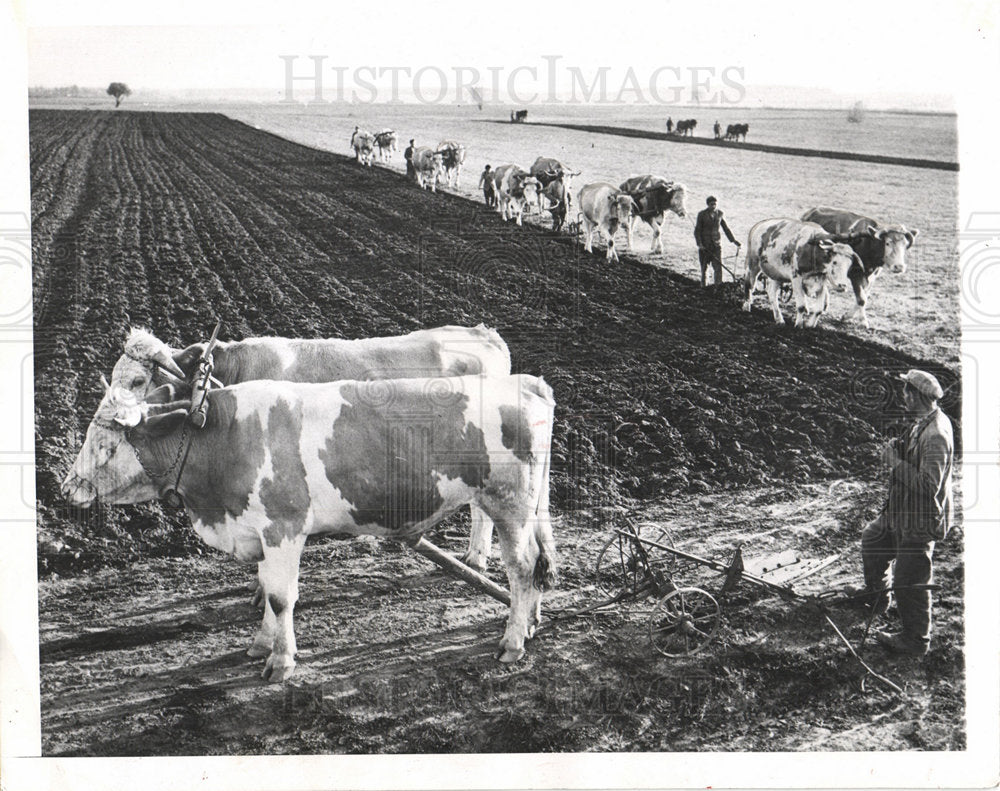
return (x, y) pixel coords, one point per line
(408, 156)
(709, 240)
(917, 513)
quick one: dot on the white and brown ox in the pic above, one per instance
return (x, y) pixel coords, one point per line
(604, 209)
(654, 196)
(363, 143)
(452, 158)
(427, 168)
(277, 462)
(880, 246)
(516, 188)
(386, 141)
(800, 253)
(442, 351)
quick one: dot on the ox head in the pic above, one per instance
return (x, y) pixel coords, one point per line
(832, 267)
(138, 370)
(107, 465)
(530, 188)
(896, 240)
(677, 198)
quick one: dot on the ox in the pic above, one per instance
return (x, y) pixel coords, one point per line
(279, 461)
(516, 188)
(427, 167)
(555, 199)
(686, 127)
(879, 246)
(442, 351)
(452, 158)
(548, 170)
(800, 253)
(654, 197)
(604, 208)
(363, 143)
(386, 141)
(735, 131)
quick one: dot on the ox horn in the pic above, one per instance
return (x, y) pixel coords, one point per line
(104, 381)
(163, 359)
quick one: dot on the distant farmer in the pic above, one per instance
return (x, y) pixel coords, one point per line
(708, 239)
(408, 156)
(354, 135)
(717, 129)
(670, 125)
(488, 187)
(917, 513)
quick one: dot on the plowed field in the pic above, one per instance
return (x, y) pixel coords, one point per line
(671, 403)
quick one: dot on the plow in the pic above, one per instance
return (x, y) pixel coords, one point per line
(639, 565)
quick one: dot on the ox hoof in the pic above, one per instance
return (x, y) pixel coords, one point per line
(510, 655)
(474, 560)
(278, 670)
(260, 648)
(746, 307)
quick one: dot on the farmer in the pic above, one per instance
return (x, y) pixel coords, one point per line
(408, 156)
(670, 125)
(717, 129)
(917, 513)
(488, 187)
(708, 239)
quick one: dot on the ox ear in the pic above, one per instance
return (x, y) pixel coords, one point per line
(161, 424)
(872, 231)
(910, 236)
(824, 244)
(186, 359)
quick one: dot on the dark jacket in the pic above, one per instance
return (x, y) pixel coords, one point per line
(920, 501)
(706, 229)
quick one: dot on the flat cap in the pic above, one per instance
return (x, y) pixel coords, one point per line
(923, 382)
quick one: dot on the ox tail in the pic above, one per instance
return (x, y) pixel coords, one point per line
(545, 574)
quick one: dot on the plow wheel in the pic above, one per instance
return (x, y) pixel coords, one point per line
(684, 622)
(626, 565)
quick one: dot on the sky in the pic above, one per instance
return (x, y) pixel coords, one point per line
(868, 47)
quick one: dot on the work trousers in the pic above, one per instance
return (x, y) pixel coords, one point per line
(711, 255)
(882, 546)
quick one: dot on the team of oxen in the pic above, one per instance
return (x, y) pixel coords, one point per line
(826, 249)
(381, 436)
(388, 436)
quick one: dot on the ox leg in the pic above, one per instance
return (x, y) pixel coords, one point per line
(860, 301)
(657, 245)
(480, 538)
(612, 254)
(750, 285)
(629, 227)
(279, 576)
(520, 551)
(799, 298)
(773, 292)
(588, 243)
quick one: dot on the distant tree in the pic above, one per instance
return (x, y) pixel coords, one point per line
(119, 90)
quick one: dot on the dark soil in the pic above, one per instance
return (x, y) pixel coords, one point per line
(666, 395)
